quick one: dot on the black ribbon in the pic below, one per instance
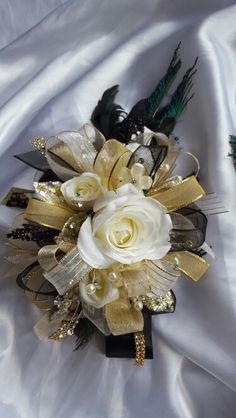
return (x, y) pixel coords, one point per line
(150, 156)
(23, 276)
(190, 239)
(34, 159)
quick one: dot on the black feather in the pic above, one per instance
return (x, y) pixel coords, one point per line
(107, 114)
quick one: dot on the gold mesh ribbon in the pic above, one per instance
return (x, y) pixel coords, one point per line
(47, 214)
(68, 272)
(190, 264)
(140, 348)
(180, 195)
(48, 255)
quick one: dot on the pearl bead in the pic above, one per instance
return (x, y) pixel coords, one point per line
(91, 288)
(70, 332)
(112, 276)
(138, 305)
(80, 205)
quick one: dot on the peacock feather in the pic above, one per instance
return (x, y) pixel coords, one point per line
(146, 108)
(165, 118)
(111, 119)
(163, 86)
(83, 332)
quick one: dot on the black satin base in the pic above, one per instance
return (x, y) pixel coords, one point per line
(123, 346)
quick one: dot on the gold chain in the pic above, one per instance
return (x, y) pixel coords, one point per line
(140, 348)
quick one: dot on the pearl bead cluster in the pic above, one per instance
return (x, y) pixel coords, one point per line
(94, 286)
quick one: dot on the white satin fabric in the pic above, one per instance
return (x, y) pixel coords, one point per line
(56, 59)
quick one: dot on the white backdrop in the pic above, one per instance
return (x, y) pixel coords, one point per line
(56, 59)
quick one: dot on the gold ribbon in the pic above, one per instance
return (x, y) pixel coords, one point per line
(63, 153)
(136, 282)
(180, 195)
(73, 152)
(190, 264)
(107, 158)
(114, 181)
(122, 317)
(47, 214)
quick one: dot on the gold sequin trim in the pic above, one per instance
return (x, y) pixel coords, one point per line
(140, 348)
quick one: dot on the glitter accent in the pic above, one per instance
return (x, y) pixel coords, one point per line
(39, 143)
(159, 304)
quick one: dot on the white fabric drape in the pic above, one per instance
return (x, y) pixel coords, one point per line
(56, 59)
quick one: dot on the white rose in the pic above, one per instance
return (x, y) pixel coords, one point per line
(127, 227)
(82, 191)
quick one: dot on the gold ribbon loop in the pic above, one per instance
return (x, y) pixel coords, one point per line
(106, 159)
(161, 275)
(48, 255)
(69, 271)
(47, 214)
(123, 318)
(181, 195)
(190, 264)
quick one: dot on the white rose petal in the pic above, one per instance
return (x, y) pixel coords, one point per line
(83, 190)
(126, 228)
